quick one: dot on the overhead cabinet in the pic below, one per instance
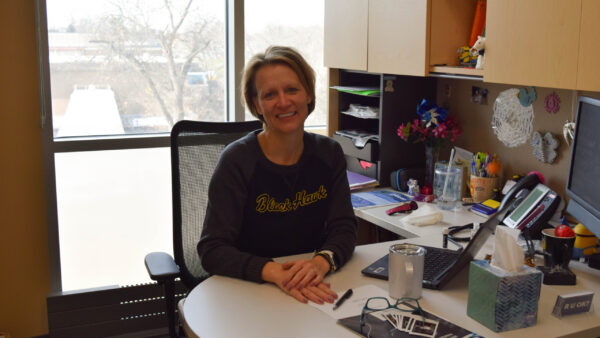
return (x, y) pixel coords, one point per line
(398, 37)
(403, 37)
(533, 42)
(345, 37)
(546, 43)
(588, 75)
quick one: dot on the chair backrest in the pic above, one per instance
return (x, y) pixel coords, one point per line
(195, 151)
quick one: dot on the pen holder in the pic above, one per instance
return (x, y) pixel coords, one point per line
(482, 188)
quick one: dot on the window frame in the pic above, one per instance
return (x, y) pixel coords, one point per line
(234, 44)
(233, 111)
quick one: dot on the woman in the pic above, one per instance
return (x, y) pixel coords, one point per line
(280, 191)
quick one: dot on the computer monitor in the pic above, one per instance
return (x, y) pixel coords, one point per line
(583, 182)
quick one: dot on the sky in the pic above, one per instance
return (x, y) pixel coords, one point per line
(259, 13)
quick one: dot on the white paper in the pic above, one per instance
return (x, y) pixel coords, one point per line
(463, 156)
(353, 306)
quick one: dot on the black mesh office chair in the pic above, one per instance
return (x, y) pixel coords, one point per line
(195, 150)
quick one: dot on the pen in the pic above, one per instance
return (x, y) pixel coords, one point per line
(345, 296)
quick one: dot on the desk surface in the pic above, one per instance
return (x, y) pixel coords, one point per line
(376, 215)
(226, 307)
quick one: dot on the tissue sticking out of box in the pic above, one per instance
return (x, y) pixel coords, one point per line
(508, 254)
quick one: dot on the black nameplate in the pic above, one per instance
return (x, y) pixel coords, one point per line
(573, 303)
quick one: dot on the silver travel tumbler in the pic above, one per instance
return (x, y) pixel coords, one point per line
(406, 270)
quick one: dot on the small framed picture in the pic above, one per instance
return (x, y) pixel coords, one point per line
(479, 95)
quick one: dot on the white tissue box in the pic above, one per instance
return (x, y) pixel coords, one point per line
(503, 300)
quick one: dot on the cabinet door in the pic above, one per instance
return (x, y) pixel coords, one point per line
(533, 42)
(345, 37)
(588, 76)
(398, 37)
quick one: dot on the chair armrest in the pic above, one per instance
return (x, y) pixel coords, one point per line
(161, 266)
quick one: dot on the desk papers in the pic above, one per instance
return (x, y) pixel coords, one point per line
(377, 198)
(353, 305)
(358, 181)
(348, 315)
(359, 90)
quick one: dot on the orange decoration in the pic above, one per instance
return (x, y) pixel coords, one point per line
(493, 168)
(478, 22)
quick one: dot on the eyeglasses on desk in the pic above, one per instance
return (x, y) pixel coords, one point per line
(403, 304)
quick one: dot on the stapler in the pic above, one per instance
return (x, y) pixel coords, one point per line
(403, 208)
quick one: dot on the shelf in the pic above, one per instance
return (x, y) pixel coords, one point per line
(456, 70)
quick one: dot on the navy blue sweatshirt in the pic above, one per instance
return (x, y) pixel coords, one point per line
(258, 210)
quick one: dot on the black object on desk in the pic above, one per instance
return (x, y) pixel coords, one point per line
(594, 262)
(341, 301)
(400, 177)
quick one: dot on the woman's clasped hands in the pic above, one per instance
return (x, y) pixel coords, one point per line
(301, 279)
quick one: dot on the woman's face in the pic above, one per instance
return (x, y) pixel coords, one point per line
(281, 98)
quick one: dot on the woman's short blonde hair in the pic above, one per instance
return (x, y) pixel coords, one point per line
(277, 55)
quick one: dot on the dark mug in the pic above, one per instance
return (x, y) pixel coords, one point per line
(557, 250)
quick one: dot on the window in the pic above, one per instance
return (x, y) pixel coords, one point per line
(120, 74)
(297, 24)
(114, 207)
(133, 67)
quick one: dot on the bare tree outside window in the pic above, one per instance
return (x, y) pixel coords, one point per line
(163, 60)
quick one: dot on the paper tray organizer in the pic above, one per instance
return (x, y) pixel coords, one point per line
(369, 152)
(362, 160)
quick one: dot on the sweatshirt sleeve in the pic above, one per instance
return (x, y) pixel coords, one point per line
(341, 221)
(227, 194)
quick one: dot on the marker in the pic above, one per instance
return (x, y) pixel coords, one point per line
(340, 301)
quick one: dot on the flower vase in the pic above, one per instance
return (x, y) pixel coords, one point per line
(431, 156)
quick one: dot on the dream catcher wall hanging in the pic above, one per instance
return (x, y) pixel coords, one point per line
(512, 122)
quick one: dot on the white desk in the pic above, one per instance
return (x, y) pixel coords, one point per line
(376, 215)
(226, 307)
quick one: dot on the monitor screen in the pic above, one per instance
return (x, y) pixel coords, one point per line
(583, 182)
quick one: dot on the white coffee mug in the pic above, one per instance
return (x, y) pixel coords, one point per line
(406, 263)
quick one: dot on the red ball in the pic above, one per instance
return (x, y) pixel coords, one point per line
(427, 190)
(564, 231)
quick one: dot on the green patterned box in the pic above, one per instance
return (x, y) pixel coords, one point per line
(503, 300)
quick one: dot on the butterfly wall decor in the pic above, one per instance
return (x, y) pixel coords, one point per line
(544, 147)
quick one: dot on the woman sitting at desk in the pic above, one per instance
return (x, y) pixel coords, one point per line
(280, 191)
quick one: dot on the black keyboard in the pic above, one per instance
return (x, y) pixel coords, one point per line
(436, 261)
